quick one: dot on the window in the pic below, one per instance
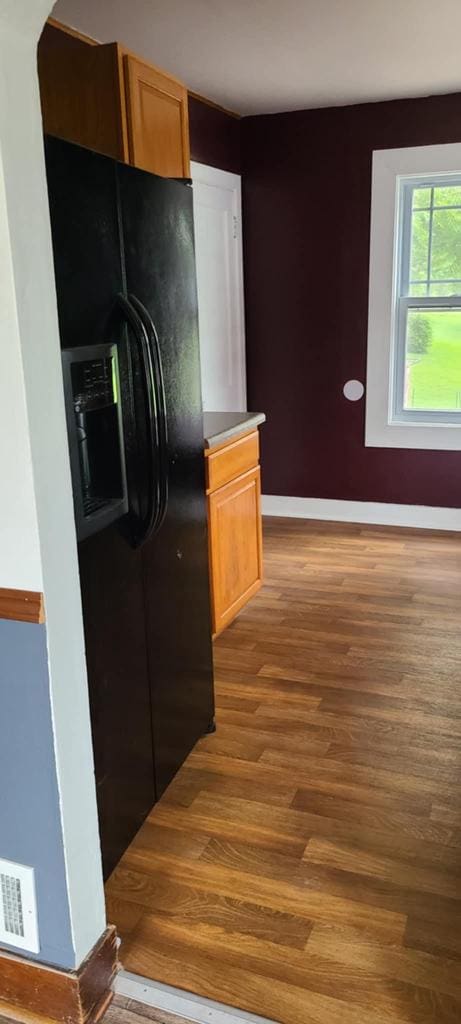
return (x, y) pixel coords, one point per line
(428, 311)
(414, 337)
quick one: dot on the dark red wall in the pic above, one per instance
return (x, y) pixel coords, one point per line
(307, 187)
(214, 136)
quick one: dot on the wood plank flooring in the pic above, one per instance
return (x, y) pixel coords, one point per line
(305, 864)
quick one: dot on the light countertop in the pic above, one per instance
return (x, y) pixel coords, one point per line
(221, 426)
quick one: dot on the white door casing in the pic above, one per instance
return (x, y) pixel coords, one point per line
(218, 243)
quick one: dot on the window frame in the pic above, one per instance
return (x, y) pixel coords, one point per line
(395, 174)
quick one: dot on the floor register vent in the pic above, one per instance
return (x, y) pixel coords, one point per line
(18, 907)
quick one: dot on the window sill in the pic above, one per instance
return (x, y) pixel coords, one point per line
(440, 437)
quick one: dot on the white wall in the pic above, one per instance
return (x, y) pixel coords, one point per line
(37, 535)
(20, 562)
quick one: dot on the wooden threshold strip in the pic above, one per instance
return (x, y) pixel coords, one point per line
(22, 605)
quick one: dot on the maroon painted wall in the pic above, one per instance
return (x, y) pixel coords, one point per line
(307, 187)
(214, 136)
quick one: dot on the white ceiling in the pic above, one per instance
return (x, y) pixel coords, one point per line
(261, 56)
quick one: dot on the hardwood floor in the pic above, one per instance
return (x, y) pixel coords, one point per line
(305, 864)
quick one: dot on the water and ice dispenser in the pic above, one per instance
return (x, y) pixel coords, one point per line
(95, 431)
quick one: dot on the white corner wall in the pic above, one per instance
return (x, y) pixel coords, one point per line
(37, 535)
(19, 542)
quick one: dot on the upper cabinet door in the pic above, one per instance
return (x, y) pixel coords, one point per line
(158, 123)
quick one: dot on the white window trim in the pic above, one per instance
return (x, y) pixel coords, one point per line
(389, 166)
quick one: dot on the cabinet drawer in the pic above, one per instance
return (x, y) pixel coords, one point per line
(236, 458)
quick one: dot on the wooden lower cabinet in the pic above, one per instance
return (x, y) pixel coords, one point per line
(235, 542)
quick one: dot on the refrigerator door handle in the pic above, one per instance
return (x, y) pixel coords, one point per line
(150, 522)
(154, 347)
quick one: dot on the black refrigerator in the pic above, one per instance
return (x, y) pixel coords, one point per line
(124, 261)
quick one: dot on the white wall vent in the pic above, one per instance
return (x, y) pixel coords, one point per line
(18, 906)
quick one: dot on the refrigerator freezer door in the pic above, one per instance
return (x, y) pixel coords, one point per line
(160, 271)
(113, 608)
(86, 241)
(89, 276)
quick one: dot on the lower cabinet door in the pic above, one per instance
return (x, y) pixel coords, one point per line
(235, 546)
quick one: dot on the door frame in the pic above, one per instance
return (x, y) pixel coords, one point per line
(203, 174)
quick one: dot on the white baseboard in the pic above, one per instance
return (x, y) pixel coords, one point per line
(185, 1004)
(424, 517)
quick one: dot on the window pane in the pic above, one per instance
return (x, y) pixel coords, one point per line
(421, 198)
(448, 196)
(418, 289)
(419, 247)
(447, 288)
(433, 360)
(446, 244)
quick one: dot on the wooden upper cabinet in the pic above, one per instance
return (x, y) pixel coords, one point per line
(81, 90)
(103, 97)
(158, 123)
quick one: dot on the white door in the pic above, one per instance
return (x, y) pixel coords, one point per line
(218, 244)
